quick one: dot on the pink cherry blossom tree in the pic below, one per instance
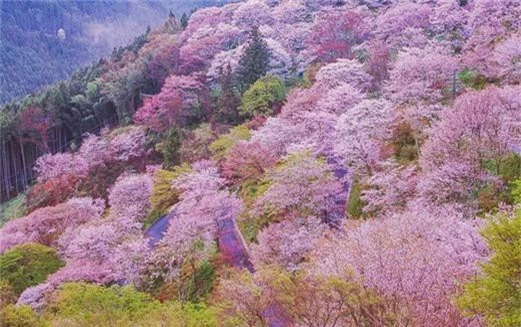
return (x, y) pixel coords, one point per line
(360, 132)
(45, 225)
(303, 185)
(130, 196)
(418, 259)
(247, 161)
(390, 189)
(335, 34)
(344, 71)
(179, 98)
(287, 244)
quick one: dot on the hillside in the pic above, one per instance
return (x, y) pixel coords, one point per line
(43, 42)
(274, 163)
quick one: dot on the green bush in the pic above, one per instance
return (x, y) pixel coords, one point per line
(195, 282)
(19, 316)
(263, 96)
(495, 294)
(175, 314)
(355, 204)
(163, 196)
(225, 142)
(472, 79)
(80, 304)
(7, 295)
(28, 265)
(85, 305)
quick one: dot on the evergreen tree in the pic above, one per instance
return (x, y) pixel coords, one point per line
(229, 100)
(184, 20)
(171, 147)
(254, 62)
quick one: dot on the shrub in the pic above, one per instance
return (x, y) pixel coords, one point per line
(27, 265)
(163, 195)
(51, 192)
(81, 304)
(176, 314)
(261, 98)
(225, 142)
(355, 204)
(472, 79)
(7, 295)
(19, 316)
(196, 280)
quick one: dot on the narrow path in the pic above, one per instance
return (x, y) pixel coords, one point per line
(232, 245)
(233, 248)
(157, 230)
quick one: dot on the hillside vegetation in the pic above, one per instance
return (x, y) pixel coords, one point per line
(277, 163)
(46, 41)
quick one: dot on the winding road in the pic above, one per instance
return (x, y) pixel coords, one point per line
(235, 250)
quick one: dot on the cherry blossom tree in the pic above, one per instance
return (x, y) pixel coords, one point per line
(247, 161)
(128, 144)
(130, 196)
(344, 71)
(401, 20)
(421, 79)
(508, 57)
(378, 62)
(181, 100)
(482, 127)
(292, 12)
(252, 13)
(45, 225)
(277, 134)
(418, 258)
(96, 150)
(339, 99)
(360, 133)
(197, 216)
(288, 243)
(51, 166)
(303, 185)
(488, 21)
(390, 189)
(335, 34)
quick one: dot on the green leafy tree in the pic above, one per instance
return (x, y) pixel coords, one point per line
(263, 97)
(253, 64)
(355, 204)
(28, 265)
(496, 293)
(171, 147)
(229, 99)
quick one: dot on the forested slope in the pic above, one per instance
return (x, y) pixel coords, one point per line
(43, 42)
(301, 163)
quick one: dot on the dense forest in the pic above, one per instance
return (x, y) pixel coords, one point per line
(274, 163)
(43, 42)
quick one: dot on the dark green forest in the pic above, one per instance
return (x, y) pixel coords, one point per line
(43, 42)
